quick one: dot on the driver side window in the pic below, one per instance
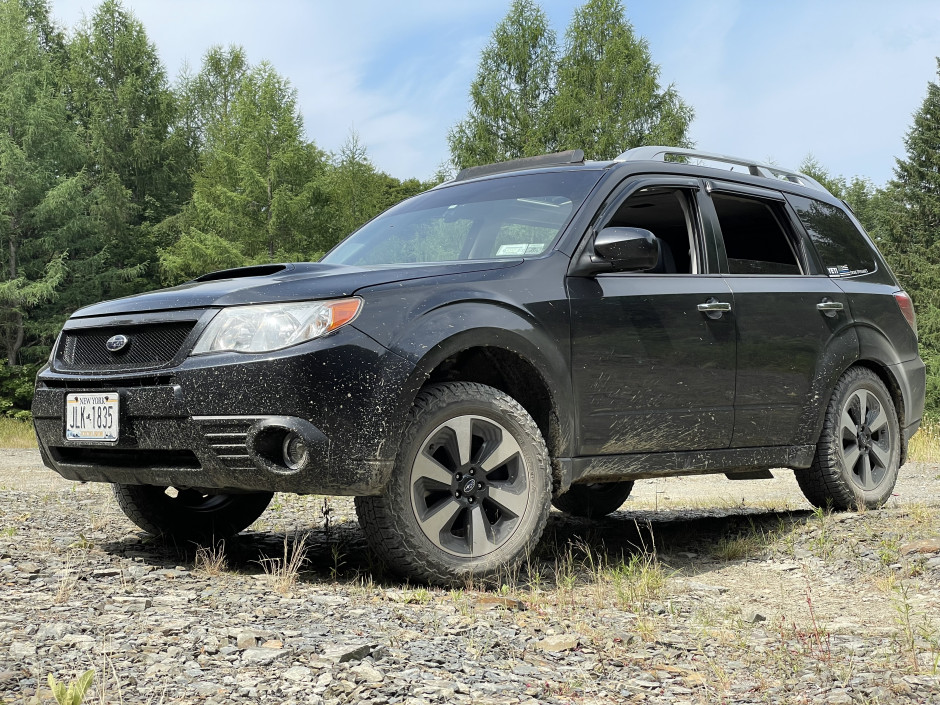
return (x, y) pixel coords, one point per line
(667, 213)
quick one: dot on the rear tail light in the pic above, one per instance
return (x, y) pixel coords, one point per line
(907, 308)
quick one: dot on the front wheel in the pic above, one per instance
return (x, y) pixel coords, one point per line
(470, 491)
(189, 514)
(857, 456)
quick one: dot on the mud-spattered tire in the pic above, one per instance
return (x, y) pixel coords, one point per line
(857, 456)
(188, 514)
(471, 488)
(595, 500)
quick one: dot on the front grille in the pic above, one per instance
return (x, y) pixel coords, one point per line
(149, 345)
(110, 382)
(127, 458)
(228, 438)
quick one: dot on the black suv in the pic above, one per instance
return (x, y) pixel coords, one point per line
(543, 331)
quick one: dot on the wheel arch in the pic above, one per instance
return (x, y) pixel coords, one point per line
(525, 364)
(883, 372)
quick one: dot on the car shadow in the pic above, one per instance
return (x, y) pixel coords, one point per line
(687, 541)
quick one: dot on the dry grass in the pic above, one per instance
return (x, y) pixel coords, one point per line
(16, 434)
(925, 445)
(211, 560)
(285, 571)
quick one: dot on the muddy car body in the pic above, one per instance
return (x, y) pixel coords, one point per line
(546, 330)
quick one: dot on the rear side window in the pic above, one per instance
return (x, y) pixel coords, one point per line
(756, 239)
(840, 245)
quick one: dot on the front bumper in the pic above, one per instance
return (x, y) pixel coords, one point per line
(216, 422)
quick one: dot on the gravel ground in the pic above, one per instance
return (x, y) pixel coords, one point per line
(700, 590)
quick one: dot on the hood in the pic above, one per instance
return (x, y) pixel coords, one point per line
(300, 281)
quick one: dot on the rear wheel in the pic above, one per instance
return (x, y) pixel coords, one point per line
(858, 452)
(470, 491)
(593, 500)
(190, 514)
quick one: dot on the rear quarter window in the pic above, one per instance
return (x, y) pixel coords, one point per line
(841, 247)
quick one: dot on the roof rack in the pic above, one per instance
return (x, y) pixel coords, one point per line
(768, 171)
(572, 156)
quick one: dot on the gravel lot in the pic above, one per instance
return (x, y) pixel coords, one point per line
(700, 590)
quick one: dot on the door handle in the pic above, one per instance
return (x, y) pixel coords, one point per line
(713, 308)
(829, 308)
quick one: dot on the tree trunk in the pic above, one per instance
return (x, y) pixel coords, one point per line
(15, 332)
(270, 206)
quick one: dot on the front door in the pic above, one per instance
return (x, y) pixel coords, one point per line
(651, 371)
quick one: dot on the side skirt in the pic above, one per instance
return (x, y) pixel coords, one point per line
(639, 466)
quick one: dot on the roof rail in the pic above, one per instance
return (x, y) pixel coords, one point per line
(768, 171)
(572, 156)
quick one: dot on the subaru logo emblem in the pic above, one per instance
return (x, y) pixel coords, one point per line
(469, 487)
(116, 343)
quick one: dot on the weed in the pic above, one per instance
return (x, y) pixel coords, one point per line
(889, 550)
(74, 693)
(82, 543)
(917, 636)
(638, 580)
(822, 544)
(337, 552)
(211, 560)
(419, 597)
(285, 571)
(922, 514)
(67, 583)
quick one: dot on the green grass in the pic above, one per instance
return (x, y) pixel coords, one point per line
(16, 434)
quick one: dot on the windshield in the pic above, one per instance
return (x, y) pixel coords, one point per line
(512, 216)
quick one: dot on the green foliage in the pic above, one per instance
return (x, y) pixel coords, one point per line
(356, 192)
(258, 183)
(903, 218)
(510, 96)
(16, 390)
(74, 693)
(111, 179)
(39, 152)
(600, 94)
(608, 97)
(909, 231)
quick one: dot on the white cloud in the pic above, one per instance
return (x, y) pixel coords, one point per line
(767, 80)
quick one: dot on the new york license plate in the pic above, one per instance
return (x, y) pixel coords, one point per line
(92, 416)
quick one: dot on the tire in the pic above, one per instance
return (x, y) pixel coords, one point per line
(594, 500)
(189, 514)
(858, 453)
(470, 491)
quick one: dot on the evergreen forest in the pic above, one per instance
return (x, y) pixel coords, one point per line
(116, 178)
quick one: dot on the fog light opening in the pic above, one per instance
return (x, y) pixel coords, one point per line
(294, 450)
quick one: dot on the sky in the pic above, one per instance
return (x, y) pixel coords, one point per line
(769, 80)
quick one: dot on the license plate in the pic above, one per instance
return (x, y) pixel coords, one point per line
(92, 416)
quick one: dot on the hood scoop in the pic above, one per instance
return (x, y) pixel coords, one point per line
(261, 270)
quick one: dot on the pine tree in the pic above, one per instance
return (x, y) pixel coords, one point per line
(609, 98)
(257, 190)
(911, 230)
(41, 185)
(121, 100)
(511, 93)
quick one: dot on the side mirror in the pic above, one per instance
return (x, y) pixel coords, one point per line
(627, 249)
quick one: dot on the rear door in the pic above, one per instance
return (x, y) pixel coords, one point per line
(793, 332)
(651, 372)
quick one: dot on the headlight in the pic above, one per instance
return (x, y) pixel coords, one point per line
(262, 328)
